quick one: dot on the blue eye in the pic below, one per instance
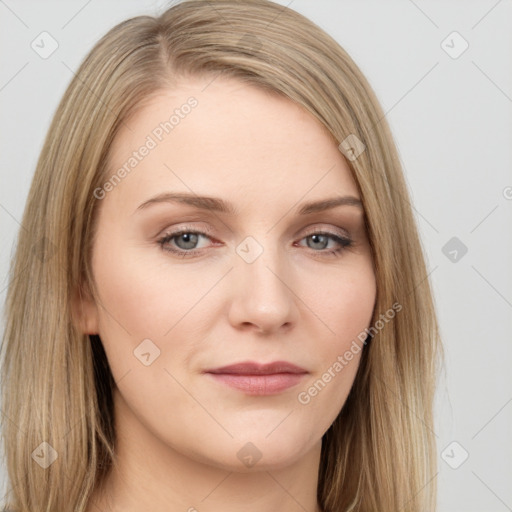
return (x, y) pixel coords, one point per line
(322, 239)
(189, 238)
(184, 242)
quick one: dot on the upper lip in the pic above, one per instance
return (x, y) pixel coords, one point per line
(254, 368)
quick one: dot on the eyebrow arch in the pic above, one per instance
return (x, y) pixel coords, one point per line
(328, 204)
(221, 206)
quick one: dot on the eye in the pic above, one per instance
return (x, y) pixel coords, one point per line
(184, 242)
(320, 240)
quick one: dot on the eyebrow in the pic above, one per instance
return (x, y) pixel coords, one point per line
(220, 205)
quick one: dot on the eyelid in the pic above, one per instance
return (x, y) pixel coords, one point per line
(186, 228)
(344, 240)
(205, 229)
(329, 230)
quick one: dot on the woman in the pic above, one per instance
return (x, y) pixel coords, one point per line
(219, 298)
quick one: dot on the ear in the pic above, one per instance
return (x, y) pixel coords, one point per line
(84, 311)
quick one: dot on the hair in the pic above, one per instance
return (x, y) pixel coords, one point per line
(379, 453)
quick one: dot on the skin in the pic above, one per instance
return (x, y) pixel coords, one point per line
(179, 430)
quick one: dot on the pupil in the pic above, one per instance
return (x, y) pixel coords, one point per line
(317, 239)
(189, 238)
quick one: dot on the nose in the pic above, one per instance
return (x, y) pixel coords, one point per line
(263, 299)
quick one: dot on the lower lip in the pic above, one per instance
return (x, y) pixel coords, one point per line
(260, 384)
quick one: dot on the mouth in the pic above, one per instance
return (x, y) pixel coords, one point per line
(259, 379)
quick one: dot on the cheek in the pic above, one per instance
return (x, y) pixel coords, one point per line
(145, 297)
(140, 298)
(345, 308)
(345, 303)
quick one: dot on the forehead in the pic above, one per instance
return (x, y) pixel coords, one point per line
(225, 137)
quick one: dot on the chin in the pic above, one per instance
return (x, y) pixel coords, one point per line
(259, 453)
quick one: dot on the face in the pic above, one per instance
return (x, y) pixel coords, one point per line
(187, 285)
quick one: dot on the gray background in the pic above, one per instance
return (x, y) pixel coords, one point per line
(451, 117)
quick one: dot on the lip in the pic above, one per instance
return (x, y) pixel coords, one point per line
(258, 379)
(254, 368)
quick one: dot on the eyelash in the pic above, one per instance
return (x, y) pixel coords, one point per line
(343, 242)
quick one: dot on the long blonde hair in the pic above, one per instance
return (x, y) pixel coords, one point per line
(379, 454)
